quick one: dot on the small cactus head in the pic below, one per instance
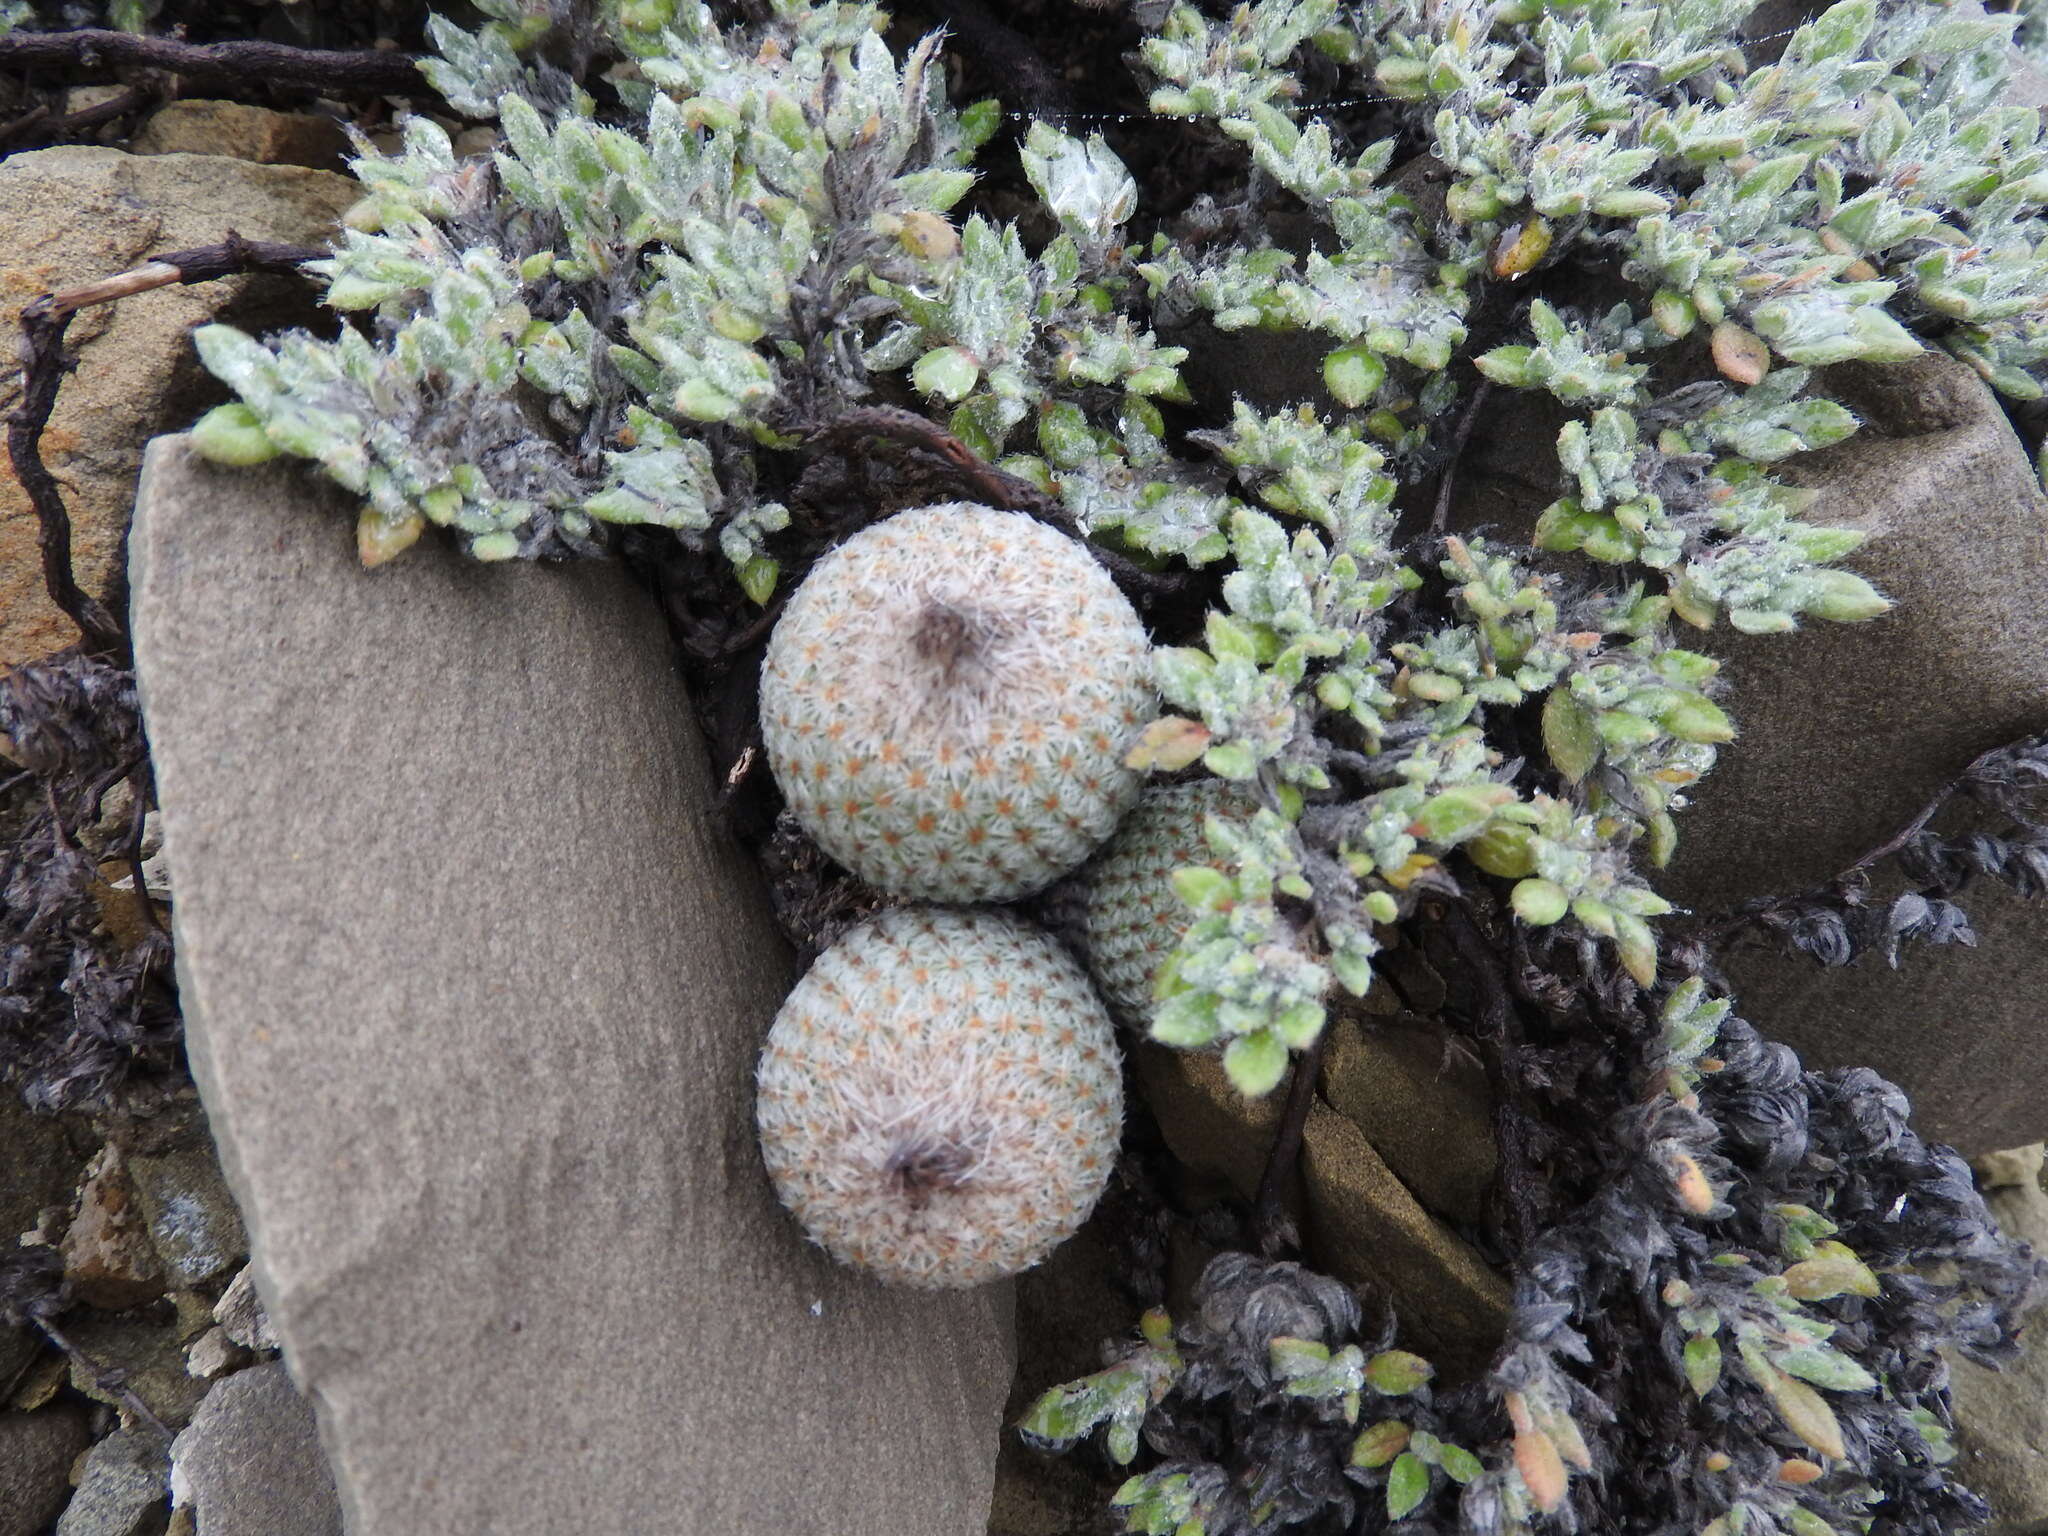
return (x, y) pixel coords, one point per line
(1131, 916)
(939, 1099)
(947, 701)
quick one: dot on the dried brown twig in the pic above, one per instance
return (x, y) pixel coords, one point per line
(994, 487)
(43, 366)
(93, 55)
(40, 126)
(1447, 477)
(202, 264)
(1272, 1230)
(106, 1378)
(33, 1294)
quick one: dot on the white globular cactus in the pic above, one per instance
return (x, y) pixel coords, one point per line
(939, 1099)
(1132, 918)
(948, 699)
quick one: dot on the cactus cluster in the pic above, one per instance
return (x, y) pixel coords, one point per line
(947, 701)
(652, 306)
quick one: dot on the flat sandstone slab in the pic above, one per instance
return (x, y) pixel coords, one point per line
(474, 988)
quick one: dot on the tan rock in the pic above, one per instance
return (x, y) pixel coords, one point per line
(1360, 1222)
(192, 1217)
(1365, 1227)
(1211, 1127)
(34, 1387)
(81, 97)
(125, 917)
(213, 1354)
(74, 214)
(2015, 1168)
(2002, 1416)
(1424, 1107)
(192, 1314)
(477, 139)
(244, 133)
(108, 1256)
(240, 1313)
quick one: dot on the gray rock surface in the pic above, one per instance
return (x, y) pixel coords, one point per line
(474, 986)
(1359, 1221)
(1424, 1108)
(1365, 1227)
(36, 1453)
(2002, 1416)
(250, 1462)
(141, 1353)
(1846, 730)
(240, 1313)
(125, 1489)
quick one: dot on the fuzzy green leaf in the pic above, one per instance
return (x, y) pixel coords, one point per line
(1539, 902)
(1380, 1444)
(1569, 735)
(1407, 1486)
(1702, 1365)
(1255, 1063)
(1396, 1372)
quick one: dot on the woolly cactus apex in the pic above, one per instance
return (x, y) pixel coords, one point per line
(947, 701)
(1132, 917)
(939, 1098)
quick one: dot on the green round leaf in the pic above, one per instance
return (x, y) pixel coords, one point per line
(1256, 1062)
(1540, 902)
(1353, 375)
(1396, 1372)
(950, 373)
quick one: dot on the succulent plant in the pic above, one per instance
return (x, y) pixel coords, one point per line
(939, 1098)
(644, 325)
(947, 701)
(1133, 913)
